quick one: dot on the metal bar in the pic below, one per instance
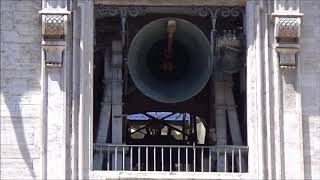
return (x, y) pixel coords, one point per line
(218, 156)
(194, 159)
(147, 158)
(139, 130)
(232, 163)
(186, 159)
(162, 160)
(123, 156)
(116, 159)
(131, 149)
(152, 117)
(210, 159)
(139, 163)
(108, 162)
(201, 159)
(179, 159)
(240, 168)
(227, 147)
(184, 127)
(170, 159)
(154, 159)
(174, 128)
(101, 157)
(225, 160)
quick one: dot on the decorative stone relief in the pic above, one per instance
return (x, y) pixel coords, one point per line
(287, 28)
(54, 31)
(287, 33)
(133, 11)
(54, 26)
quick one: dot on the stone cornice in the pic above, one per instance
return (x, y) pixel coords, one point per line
(173, 2)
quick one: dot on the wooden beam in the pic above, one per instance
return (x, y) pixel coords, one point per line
(173, 2)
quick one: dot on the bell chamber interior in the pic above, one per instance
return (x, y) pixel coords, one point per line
(176, 81)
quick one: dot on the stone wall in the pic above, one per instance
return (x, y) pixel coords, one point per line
(20, 89)
(310, 84)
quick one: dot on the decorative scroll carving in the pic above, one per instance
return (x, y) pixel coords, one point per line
(287, 28)
(133, 11)
(224, 12)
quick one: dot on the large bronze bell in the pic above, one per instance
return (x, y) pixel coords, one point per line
(170, 60)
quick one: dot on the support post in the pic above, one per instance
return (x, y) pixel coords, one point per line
(105, 112)
(117, 117)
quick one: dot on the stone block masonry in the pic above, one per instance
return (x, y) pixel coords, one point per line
(310, 84)
(20, 89)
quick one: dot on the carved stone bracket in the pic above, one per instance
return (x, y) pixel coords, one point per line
(287, 56)
(287, 33)
(54, 31)
(53, 54)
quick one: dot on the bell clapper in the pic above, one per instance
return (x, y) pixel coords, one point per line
(167, 64)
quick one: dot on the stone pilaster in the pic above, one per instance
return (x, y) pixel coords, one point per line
(54, 17)
(289, 123)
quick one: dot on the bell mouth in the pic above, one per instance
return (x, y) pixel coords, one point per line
(172, 70)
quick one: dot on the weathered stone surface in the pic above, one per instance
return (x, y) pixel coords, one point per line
(20, 89)
(310, 82)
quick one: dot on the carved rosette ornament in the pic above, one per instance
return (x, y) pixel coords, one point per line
(54, 31)
(287, 34)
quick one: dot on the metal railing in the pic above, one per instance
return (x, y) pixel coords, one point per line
(173, 158)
